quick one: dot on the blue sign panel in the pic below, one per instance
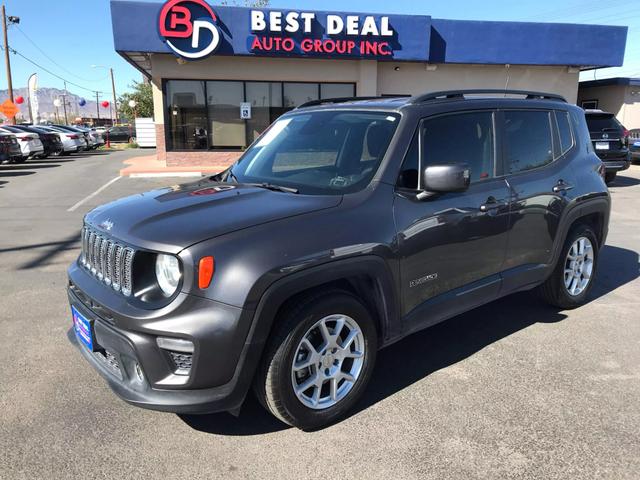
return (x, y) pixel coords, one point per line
(194, 29)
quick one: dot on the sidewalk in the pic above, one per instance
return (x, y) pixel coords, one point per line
(150, 166)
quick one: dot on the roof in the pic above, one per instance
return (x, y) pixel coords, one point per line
(416, 38)
(607, 82)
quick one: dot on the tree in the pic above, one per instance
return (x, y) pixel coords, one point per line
(141, 93)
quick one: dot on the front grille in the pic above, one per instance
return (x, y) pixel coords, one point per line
(182, 362)
(108, 260)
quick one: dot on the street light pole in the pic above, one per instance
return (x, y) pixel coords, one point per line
(7, 61)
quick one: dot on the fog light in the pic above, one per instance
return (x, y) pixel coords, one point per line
(139, 373)
(175, 344)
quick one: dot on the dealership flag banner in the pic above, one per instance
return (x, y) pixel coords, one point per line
(33, 98)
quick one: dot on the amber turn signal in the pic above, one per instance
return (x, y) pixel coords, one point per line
(205, 272)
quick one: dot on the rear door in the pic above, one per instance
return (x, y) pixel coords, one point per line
(538, 146)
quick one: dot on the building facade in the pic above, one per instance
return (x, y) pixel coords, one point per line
(620, 96)
(222, 74)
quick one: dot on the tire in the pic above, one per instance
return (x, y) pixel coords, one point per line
(20, 159)
(276, 376)
(554, 290)
(609, 177)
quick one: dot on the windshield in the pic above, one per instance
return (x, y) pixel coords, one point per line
(322, 152)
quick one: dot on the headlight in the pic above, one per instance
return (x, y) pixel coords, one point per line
(168, 273)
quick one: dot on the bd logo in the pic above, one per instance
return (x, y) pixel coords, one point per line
(188, 26)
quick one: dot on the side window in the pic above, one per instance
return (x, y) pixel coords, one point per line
(461, 138)
(408, 177)
(581, 129)
(564, 131)
(527, 137)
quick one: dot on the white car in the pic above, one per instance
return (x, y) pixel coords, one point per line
(95, 138)
(30, 144)
(71, 142)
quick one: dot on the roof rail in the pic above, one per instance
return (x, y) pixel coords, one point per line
(459, 94)
(324, 101)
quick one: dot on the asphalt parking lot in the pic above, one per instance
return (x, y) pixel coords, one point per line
(514, 389)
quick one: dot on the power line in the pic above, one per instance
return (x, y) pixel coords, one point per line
(15, 52)
(53, 61)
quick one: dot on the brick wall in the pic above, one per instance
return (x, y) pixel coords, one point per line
(192, 159)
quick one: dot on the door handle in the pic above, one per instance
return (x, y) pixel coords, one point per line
(561, 186)
(492, 204)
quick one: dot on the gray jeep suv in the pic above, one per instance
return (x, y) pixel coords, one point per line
(348, 225)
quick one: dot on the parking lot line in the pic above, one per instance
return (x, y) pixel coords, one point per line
(90, 196)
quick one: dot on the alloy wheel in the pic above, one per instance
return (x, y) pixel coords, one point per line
(578, 267)
(328, 361)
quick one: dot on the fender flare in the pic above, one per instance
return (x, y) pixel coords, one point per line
(600, 205)
(372, 266)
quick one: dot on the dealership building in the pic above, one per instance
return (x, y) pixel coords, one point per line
(620, 96)
(222, 74)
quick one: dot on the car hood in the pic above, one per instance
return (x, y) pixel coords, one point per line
(173, 218)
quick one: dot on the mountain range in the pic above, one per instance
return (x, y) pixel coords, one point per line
(46, 96)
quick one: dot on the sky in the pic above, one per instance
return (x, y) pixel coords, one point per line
(66, 37)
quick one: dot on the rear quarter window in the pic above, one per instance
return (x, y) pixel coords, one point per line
(581, 130)
(564, 131)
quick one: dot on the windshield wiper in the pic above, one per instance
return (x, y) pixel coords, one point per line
(232, 175)
(276, 188)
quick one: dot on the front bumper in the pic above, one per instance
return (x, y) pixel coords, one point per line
(222, 365)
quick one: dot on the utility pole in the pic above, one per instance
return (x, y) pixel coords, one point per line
(115, 104)
(6, 58)
(64, 104)
(98, 104)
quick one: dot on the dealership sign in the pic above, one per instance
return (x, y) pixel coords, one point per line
(192, 29)
(188, 26)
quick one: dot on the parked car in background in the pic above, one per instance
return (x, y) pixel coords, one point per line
(30, 143)
(89, 143)
(71, 141)
(96, 138)
(187, 297)
(119, 134)
(50, 141)
(634, 144)
(10, 149)
(610, 141)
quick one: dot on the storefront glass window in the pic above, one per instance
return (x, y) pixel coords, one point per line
(266, 106)
(186, 115)
(206, 115)
(226, 128)
(336, 90)
(298, 93)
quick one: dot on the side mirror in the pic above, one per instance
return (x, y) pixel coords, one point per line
(446, 178)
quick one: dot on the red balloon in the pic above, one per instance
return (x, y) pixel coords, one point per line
(19, 100)
(105, 104)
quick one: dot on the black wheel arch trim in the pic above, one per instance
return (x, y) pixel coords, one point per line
(371, 266)
(600, 204)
